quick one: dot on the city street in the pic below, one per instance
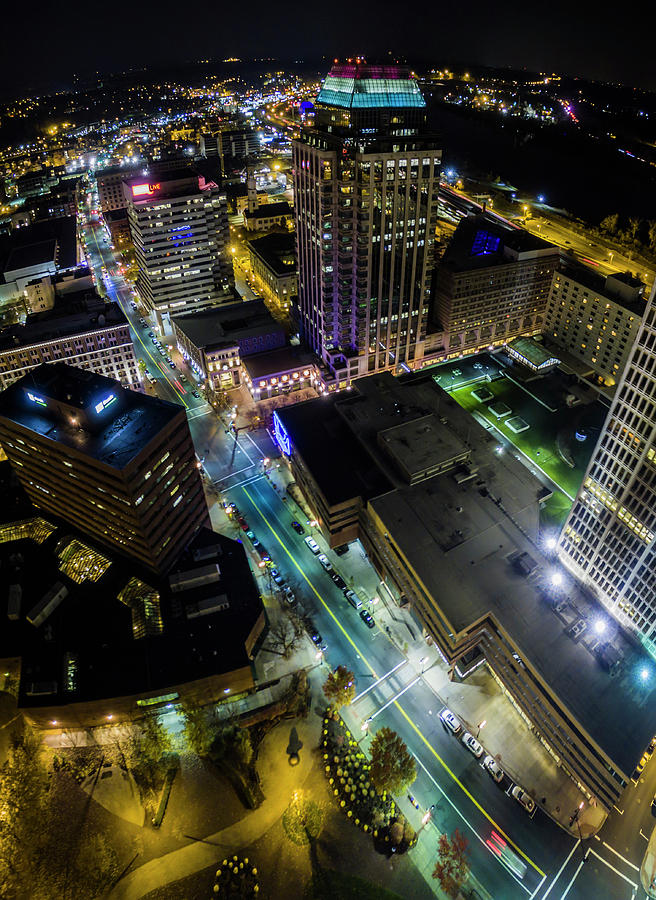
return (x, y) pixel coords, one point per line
(546, 861)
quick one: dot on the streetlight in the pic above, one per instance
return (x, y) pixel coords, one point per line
(479, 726)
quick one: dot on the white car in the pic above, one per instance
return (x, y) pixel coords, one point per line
(325, 562)
(312, 544)
(472, 744)
(493, 768)
(523, 798)
(451, 722)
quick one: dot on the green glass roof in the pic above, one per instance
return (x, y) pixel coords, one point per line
(370, 86)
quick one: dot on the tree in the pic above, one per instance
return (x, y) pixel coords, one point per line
(392, 766)
(155, 740)
(339, 687)
(610, 224)
(284, 636)
(233, 744)
(199, 729)
(452, 866)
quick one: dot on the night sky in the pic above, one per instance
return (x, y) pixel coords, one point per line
(41, 41)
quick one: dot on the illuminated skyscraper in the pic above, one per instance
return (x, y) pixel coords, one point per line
(118, 465)
(608, 539)
(179, 228)
(366, 180)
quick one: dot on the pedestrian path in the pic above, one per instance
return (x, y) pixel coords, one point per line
(279, 781)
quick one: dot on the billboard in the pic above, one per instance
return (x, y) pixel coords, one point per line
(144, 190)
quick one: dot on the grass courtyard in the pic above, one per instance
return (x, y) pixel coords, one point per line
(549, 433)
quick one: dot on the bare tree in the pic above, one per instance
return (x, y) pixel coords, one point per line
(284, 637)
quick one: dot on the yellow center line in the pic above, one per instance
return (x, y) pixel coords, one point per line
(432, 749)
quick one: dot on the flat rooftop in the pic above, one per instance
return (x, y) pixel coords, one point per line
(225, 325)
(603, 285)
(461, 530)
(482, 241)
(277, 252)
(281, 208)
(113, 435)
(95, 628)
(271, 362)
(73, 313)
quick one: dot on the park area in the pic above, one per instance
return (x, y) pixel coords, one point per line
(534, 418)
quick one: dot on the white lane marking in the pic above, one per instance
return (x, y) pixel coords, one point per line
(613, 869)
(560, 871)
(574, 877)
(382, 678)
(467, 822)
(623, 858)
(394, 698)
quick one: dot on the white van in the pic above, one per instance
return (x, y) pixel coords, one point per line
(312, 544)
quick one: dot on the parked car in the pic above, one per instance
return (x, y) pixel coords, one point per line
(289, 595)
(644, 759)
(277, 577)
(315, 636)
(263, 552)
(312, 544)
(243, 523)
(523, 798)
(493, 768)
(651, 746)
(472, 744)
(172, 364)
(183, 377)
(195, 394)
(353, 599)
(339, 581)
(298, 528)
(251, 536)
(451, 722)
(366, 618)
(342, 549)
(325, 562)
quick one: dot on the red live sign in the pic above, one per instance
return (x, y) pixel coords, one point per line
(144, 190)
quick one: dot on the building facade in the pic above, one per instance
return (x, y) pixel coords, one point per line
(81, 330)
(215, 340)
(608, 539)
(491, 285)
(595, 318)
(452, 529)
(117, 465)
(179, 229)
(366, 180)
(274, 269)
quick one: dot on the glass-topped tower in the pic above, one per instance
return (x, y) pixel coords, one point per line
(366, 179)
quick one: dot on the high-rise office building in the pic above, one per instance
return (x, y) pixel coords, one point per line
(118, 465)
(491, 285)
(608, 539)
(179, 228)
(366, 180)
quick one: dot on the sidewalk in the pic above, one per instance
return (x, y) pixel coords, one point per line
(505, 735)
(279, 781)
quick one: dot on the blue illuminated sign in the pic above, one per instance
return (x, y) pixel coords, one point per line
(485, 243)
(35, 399)
(280, 436)
(105, 403)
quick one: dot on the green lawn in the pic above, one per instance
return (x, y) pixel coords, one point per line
(539, 442)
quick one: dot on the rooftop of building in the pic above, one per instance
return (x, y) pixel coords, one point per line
(50, 240)
(482, 241)
(360, 86)
(628, 292)
(76, 312)
(225, 325)
(267, 210)
(202, 627)
(277, 252)
(89, 413)
(273, 362)
(460, 532)
(534, 354)
(155, 186)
